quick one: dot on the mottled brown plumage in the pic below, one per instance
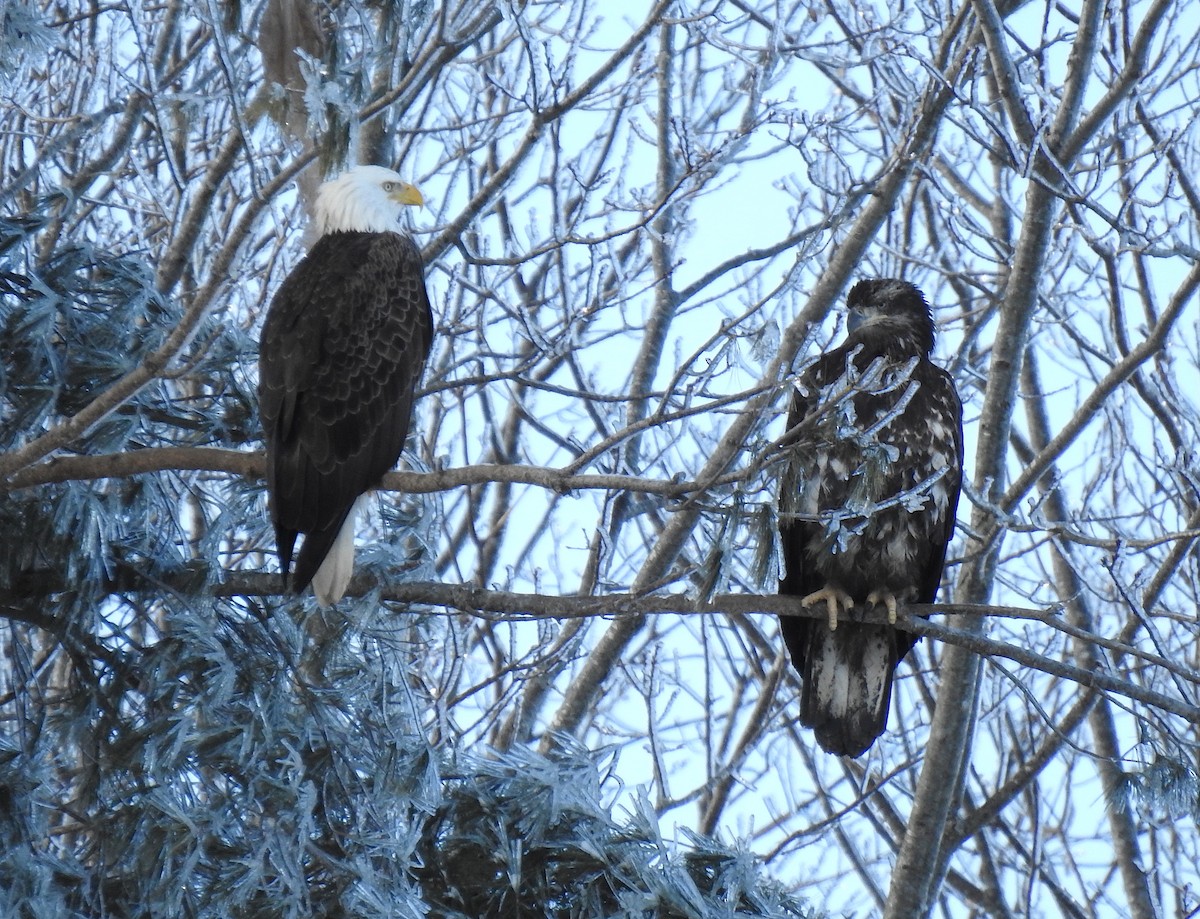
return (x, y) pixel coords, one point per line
(867, 505)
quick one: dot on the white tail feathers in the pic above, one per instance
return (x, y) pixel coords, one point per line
(332, 578)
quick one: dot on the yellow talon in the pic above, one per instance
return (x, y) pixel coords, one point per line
(834, 598)
(888, 599)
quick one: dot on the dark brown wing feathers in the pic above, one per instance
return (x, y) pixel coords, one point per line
(901, 550)
(342, 352)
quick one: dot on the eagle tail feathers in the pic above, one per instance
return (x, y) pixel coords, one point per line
(847, 685)
(331, 579)
(326, 559)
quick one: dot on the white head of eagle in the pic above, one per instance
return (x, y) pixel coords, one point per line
(365, 199)
(340, 358)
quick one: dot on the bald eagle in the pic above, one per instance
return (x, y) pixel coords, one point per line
(341, 354)
(867, 506)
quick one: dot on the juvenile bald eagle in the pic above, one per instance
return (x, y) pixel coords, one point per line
(867, 506)
(341, 354)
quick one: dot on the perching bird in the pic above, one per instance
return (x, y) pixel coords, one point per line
(867, 506)
(341, 354)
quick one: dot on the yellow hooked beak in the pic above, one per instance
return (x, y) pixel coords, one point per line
(403, 193)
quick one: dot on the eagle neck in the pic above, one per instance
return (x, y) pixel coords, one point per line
(898, 341)
(341, 210)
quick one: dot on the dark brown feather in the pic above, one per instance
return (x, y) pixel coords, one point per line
(341, 355)
(834, 472)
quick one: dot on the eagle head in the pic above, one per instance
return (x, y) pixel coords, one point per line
(893, 308)
(365, 199)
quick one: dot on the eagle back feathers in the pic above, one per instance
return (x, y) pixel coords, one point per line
(342, 353)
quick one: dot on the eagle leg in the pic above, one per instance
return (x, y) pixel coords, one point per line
(834, 598)
(888, 599)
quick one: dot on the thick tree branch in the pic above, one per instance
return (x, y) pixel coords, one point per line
(252, 466)
(523, 606)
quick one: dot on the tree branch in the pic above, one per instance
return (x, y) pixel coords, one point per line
(510, 605)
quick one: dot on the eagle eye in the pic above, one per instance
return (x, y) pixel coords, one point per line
(389, 187)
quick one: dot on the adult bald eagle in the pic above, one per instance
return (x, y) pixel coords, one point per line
(341, 354)
(867, 506)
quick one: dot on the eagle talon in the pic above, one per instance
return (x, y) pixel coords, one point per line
(834, 598)
(886, 598)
